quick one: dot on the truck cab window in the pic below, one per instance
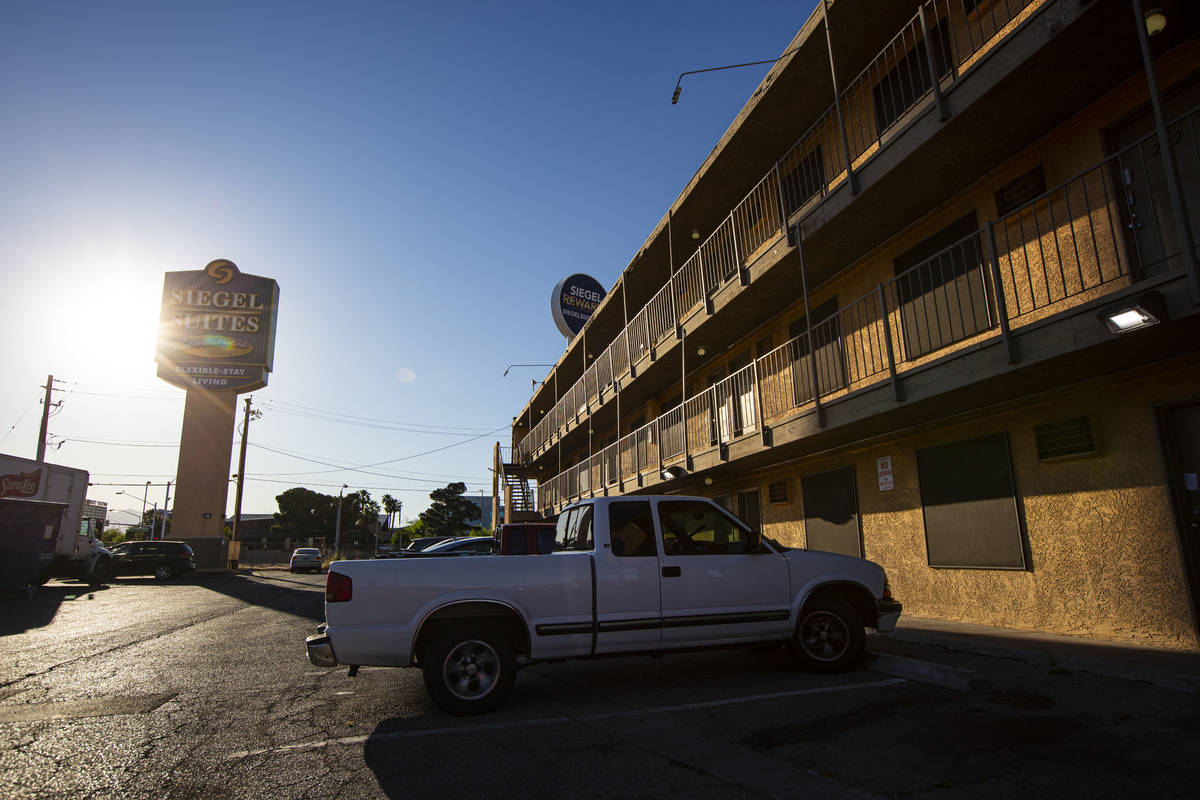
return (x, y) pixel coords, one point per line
(574, 530)
(691, 528)
(631, 530)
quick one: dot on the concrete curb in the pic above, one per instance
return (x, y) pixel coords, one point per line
(959, 680)
(1045, 658)
(1040, 658)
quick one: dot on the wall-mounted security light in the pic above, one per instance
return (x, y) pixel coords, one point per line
(708, 481)
(1135, 313)
(1156, 20)
(671, 473)
(700, 351)
(695, 233)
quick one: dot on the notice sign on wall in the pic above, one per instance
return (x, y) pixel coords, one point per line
(883, 466)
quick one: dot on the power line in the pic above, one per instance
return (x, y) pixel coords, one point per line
(368, 422)
(361, 467)
(63, 439)
(288, 404)
(127, 396)
(36, 400)
(330, 463)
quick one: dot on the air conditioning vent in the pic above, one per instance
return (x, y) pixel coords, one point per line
(1065, 439)
(1020, 191)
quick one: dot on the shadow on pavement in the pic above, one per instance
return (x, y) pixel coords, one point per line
(25, 609)
(288, 595)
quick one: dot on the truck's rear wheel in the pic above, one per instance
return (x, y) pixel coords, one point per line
(829, 637)
(469, 670)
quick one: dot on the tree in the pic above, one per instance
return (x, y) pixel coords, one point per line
(303, 513)
(390, 507)
(449, 512)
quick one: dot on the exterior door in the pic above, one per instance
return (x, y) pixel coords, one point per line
(1151, 232)
(831, 512)
(1180, 431)
(749, 509)
(714, 589)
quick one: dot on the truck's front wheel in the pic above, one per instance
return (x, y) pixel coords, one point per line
(469, 670)
(101, 573)
(830, 636)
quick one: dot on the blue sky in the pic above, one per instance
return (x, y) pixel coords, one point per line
(416, 177)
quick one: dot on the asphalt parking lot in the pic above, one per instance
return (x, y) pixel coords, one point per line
(200, 688)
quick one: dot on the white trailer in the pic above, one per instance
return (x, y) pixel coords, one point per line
(43, 533)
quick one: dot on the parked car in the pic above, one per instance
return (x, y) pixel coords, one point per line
(466, 545)
(305, 558)
(417, 545)
(525, 538)
(162, 559)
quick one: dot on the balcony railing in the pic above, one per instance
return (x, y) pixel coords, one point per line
(1098, 232)
(901, 77)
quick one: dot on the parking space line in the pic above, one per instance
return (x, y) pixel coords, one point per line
(529, 723)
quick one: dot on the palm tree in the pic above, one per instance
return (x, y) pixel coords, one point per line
(390, 507)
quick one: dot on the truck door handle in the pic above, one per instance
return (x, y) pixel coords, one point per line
(671, 572)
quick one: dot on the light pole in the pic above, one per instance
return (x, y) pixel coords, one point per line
(337, 530)
(679, 83)
(142, 518)
(510, 366)
(162, 531)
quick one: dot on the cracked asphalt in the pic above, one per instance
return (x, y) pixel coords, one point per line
(200, 688)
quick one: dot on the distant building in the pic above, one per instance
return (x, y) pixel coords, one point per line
(484, 504)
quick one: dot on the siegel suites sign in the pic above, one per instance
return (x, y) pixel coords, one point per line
(217, 328)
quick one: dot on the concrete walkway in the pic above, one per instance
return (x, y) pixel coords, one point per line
(1170, 669)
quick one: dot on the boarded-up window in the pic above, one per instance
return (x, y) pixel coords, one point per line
(908, 81)
(831, 512)
(826, 332)
(941, 290)
(970, 506)
(804, 177)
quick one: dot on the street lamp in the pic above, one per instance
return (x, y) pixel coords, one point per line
(679, 87)
(144, 496)
(510, 366)
(337, 530)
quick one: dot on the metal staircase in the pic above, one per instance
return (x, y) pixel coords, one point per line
(511, 482)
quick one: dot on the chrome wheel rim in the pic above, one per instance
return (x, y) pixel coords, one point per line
(824, 636)
(162, 571)
(471, 669)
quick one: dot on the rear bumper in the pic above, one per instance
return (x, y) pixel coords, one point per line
(320, 651)
(888, 612)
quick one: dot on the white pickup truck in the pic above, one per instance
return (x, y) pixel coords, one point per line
(628, 575)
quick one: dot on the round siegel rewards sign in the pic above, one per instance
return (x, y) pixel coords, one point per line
(573, 301)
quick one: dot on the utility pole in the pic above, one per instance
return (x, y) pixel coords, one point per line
(41, 445)
(241, 473)
(337, 530)
(162, 531)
